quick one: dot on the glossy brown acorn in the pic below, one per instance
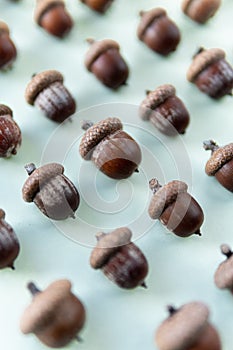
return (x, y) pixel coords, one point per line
(188, 328)
(9, 244)
(175, 208)
(52, 192)
(158, 31)
(104, 60)
(10, 134)
(165, 110)
(120, 259)
(223, 276)
(55, 315)
(211, 73)
(112, 150)
(53, 17)
(100, 6)
(200, 11)
(220, 163)
(8, 50)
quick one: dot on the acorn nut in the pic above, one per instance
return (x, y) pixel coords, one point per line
(165, 110)
(10, 133)
(8, 51)
(120, 259)
(53, 17)
(55, 315)
(175, 208)
(9, 244)
(113, 151)
(223, 276)
(47, 92)
(100, 6)
(52, 192)
(188, 328)
(220, 163)
(200, 11)
(211, 73)
(104, 60)
(158, 31)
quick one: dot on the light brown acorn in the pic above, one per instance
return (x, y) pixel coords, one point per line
(223, 276)
(100, 6)
(10, 133)
(8, 51)
(112, 150)
(200, 11)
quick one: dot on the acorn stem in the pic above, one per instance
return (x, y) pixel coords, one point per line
(136, 170)
(90, 41)
(171, 309)
(154, 185)
(30, 168)
(33, 288)
(226, 250)
(86, 124)
(144, 285)
(79, 339)
(11, 266)
(100, 235)
(141, 13)
(210, 145)
(198, 232)
(201, 49)
(148, 92)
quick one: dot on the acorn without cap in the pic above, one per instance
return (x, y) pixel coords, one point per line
(175, 208)
(188, 328)
(223, 276)
(120, 259)
(220, 163)
(8, 51)
(211, 73)
(113, 151)
(165, 110)
(100, 6)
(55, 315)
(200, 10)
(52, 192)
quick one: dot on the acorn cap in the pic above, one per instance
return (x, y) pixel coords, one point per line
(147, 18)
(97, 133)
(44, 5)
(220, 156)
(183, 327)
(43, 306)
(40, 82)
(2, 214)
(202, 60)
(165, 196)
(223, 276)
(5, 110)
(200, 6)
(108, 244)
(97, 48)
(154, 99)
(38, 178)
(4, 28)
(185, 4)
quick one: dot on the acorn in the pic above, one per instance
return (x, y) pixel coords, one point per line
(55, 316)
(220, 163)
(200, 11)
(9, 244)
(223, 276)
(120, 259)
(175, 208)
(104, 60)
(188, 328)
(8, 51)
(53, 17)
(100, 6)
(52, 192)
(158, 31)
(165, 110)
(47, 92)
(211, 73)
(113, 151)
(10, 133)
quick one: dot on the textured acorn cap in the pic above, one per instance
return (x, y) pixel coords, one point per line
(154, 99)
(97, 48)
(165, 196)
(147, 18)
(38, 178)
(2, 214)
(108, 244)
(223, 276)
(44, 5)
(183, 327)
(5, 110)
(43, 305)
(4, 28)
(40, 82)
(220, 156)
(97, 133)
(202, 60)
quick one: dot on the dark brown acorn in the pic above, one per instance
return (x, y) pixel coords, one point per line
(211, 73)
(100, 6)
(52, 192)
(53, 17)
(8, 52)
(188, 328)
(158, 31)
(120, 259)
(113, 151)
(55, 315)
(47, 92)
(200, 11)
(220, 163)
(104, 60)
(10, 134)
(175, 208)
(9, 244)
(223, 276)
(165, 110)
